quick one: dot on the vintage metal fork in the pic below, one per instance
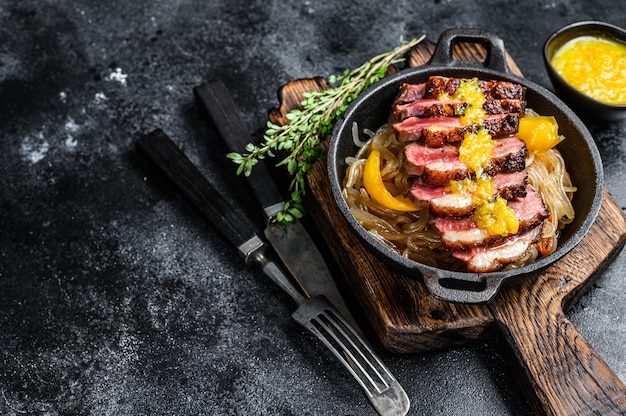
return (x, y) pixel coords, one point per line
(316, 314)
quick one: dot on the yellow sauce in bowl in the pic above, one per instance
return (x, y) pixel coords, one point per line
(594, 65)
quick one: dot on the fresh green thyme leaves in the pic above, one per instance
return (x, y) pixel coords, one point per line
(301, 138)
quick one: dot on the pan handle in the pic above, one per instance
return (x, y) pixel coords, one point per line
(496, 53)
(481, 291)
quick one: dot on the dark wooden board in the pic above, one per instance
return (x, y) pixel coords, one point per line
(561, 372)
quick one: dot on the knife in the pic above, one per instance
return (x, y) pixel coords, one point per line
(292, 243)
(315, 314)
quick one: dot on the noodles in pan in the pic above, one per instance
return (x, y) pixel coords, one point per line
(412, 233)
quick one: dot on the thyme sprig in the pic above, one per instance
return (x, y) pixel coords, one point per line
(302, 136)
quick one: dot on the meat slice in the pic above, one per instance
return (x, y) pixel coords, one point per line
(429, 107)
(509, 155)
(437, 85)
(438, 166)
(511, 185)
(498, 90)
(440, 173)
(464, 234)
(408, 93)
(529, 209)
(493, 258)
(505, 105)
(447, 203)
(438, 131)
(452, 205)
(418, 156)
(432, 107)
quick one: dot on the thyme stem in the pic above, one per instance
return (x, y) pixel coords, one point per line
(301, 137)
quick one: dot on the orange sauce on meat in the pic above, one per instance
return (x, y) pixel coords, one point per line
(594, 65)
(476, 150)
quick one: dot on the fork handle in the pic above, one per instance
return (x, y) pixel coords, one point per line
(255, 251)
(168, 157)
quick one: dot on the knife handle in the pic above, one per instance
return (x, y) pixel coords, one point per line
(218, 104)
(189, 180)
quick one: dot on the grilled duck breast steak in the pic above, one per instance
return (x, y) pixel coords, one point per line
(431, 123)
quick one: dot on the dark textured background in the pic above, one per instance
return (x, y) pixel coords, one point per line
(116, 299)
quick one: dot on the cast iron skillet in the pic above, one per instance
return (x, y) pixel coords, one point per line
(371, 109)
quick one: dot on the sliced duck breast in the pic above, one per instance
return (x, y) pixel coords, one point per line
(464, 234)
(417, 155)
(429, 107)
(437, 85)
(448, 203)
(408, 93)
(438, 166)
(511, 185)
(452, 205)
(443, 130)
(493, 258)
(438, 131)
(440, 173)
(432, 107)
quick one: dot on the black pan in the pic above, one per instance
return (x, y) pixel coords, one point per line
(371, 109)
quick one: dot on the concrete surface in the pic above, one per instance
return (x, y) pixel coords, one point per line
(116, 299)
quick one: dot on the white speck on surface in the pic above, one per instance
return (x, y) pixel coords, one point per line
(118, 76)
(71, 126)
(99, 98)
(63, 97)
(309, 9)
(34, 148)
(70, 141)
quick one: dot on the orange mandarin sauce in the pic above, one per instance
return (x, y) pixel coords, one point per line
(476, 150)
(594, 65)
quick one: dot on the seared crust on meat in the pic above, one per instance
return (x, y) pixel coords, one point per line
(510, 156)
(438, 166)
(489, 259)
(502, 124)
(435, 86)
(511, 185)
(426, 107)
(498, 90)
(438, 131)
(436, 136)
(503, 106)
(439, 174)
(463, 234)
(409, 93)
(446, 203)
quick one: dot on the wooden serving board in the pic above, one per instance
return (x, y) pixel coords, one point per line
(560, 372)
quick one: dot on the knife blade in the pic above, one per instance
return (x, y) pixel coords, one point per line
(293, 244)
(315, 314)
